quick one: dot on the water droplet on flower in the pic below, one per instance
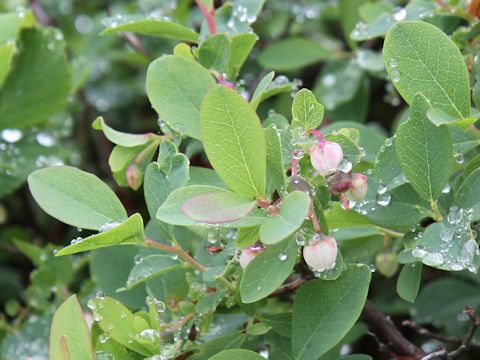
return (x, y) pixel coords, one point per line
(345, 166)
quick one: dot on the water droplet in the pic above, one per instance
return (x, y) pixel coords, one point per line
(383, 199)
(388, 142)
(298, 154)
(345, 166)
(458, 157)
(400, 15)
(393, 62)
(45, 139)
(103, 338)
(419, 252)
(137, 259)
(446, 189)
(259, 288)
(109, 225)
(372, 268)
(11, 135)
(55, 251)
(282, 256)
(382, 189)
(329, 80)
(447, 234)
(395, 75)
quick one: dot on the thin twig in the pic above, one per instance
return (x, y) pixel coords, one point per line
(136, 44)
(475, 322)
(209, 15)
(289, 287)
(388, 332)
(178, 250)
(436, 354)
(182, 322)
(425, 332)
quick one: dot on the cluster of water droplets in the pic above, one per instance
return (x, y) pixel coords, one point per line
(240, 19)
(309, 11)
(283, 81)
(458, 247)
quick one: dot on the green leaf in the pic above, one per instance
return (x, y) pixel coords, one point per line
(293, 211)
(149, 267)
(280, 323)
(230, 341)
(425, 151)
(275, 264)
(349, 16)
(217, 207)
(380, 19)
(241, 46)
(171, 80)
(75, 197)
(150, 26)
(338, 218)
(468, 195)
(171, 210)
(120, 138)
(449, 244)
(292, 54)
(209, 302)
(39, 83)
(439, 117)
(123, 326)
(239, 354)
(261, 88)
(338, 83)
(234, 141)
(387, 172)
(438, 70)
(351, 152)
(69, 328)
(408, 282)
(120, 258)
(214, 52)
(247, 236)
(127, 233)
(307, 112)
(276, 178)
(324, 311)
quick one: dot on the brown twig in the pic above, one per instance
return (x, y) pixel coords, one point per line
(289, 287)
(475, 322)
(388, 332)
(425, 332)
(40, 13)
(136, 44)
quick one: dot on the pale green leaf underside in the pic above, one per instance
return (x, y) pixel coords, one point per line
(419, 57)
(118, 137)
(75, 197)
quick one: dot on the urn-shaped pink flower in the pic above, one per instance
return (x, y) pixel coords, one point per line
(326, 156)
(320, 255)
(248, 254)
(359, 187)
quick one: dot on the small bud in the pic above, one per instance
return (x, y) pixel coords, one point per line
(326, 156)
(134, 176)
(321, 255)
(387, 263)
(248, 254)
(359, 187)
(339, 183)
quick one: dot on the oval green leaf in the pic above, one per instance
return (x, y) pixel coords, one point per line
(438, 70)
(234, 141)
(127, 233)
(274, 264)
(324, 311)
(69, 333)
(237, 354)
(176, 87)
(75, 197)
(216, 208)
(293, 211)
(118, 137)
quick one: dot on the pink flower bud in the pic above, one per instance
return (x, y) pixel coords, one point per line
(326, 157)
(134, 176)
(321, 255)
(248, 254)
(359, 187)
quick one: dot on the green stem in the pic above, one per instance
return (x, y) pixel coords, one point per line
(390, 232)
(436, 215)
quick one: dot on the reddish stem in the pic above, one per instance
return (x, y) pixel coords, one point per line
(345, 202)
(209, 15)
(317, 134)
